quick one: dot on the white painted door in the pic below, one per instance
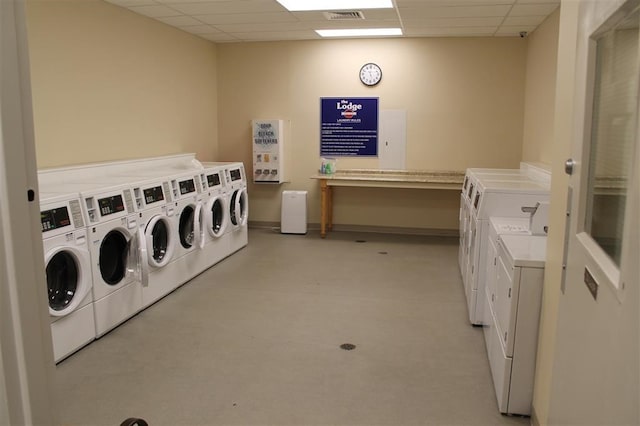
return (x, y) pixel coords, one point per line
(392, 142)
(596, 368)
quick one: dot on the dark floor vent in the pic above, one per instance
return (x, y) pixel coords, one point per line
(347, 346)
(361, 241)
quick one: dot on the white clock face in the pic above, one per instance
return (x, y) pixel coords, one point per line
(370, 74)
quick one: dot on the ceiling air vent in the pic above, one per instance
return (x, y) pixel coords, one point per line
(349, 15)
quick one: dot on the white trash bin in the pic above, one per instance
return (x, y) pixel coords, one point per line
(293, 216)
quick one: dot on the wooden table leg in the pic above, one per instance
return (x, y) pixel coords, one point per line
(324, 195)
(329, 208)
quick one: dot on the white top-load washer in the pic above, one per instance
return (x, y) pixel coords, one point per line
(116, 251)
(498, 226)
(495, 198)
(68, 272)
(512, 311)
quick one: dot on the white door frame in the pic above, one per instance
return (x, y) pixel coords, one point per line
(26, 353)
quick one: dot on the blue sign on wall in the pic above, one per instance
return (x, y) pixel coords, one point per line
(349, 127)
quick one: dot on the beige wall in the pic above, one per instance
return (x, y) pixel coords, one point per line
(110, 84)
(542, 52)
(464, 99)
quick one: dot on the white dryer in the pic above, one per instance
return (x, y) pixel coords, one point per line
(155, 216)
(187, 191)
(238, 205)
(204, 215)
(471, 179)
(182, 205)
(494, 198)
(216, 214)
(115, 245)
(68, 272)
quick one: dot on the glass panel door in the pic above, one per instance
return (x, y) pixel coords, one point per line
(615, 104)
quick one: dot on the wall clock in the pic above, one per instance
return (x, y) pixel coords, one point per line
(370, 74)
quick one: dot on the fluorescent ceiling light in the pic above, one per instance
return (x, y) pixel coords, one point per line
(305, 5)
(361, 32)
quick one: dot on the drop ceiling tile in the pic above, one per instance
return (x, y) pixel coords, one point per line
(368, 15)
(200, 29)
(451, 32)
(351, 25)
(524, 20)
(268, 20)
(180, 21)
(417, 3)
(262, 27)
(228, 7)
(299, 26)
(277, 35)
(452, 22)
(514, 31)
(533, 9)
(557, 2)
(455, 11)
(170, 2)
(128, 3)
(246, 18)
(219, 37)
(156, 11)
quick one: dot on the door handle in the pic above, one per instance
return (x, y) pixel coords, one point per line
(569, 166)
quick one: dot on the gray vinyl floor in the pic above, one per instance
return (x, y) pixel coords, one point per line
(255, 340)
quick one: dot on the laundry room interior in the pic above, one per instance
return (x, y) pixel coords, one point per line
(395, 300)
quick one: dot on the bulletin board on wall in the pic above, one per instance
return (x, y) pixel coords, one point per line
(349, 127)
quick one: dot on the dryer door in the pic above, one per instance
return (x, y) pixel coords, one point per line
(216, 217)
(198, 226)
(186, 226)
(239, 207)
(159, 240)
(67, 285)
(113, 258)
(137, 257)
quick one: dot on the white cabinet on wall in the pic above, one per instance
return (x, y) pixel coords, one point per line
(511, 314)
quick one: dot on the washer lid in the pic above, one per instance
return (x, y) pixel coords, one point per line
(525, 250)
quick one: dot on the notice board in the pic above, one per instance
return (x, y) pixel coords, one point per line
(349, 127)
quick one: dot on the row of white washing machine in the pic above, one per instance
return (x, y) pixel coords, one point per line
(118, 238)
(508, 193)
